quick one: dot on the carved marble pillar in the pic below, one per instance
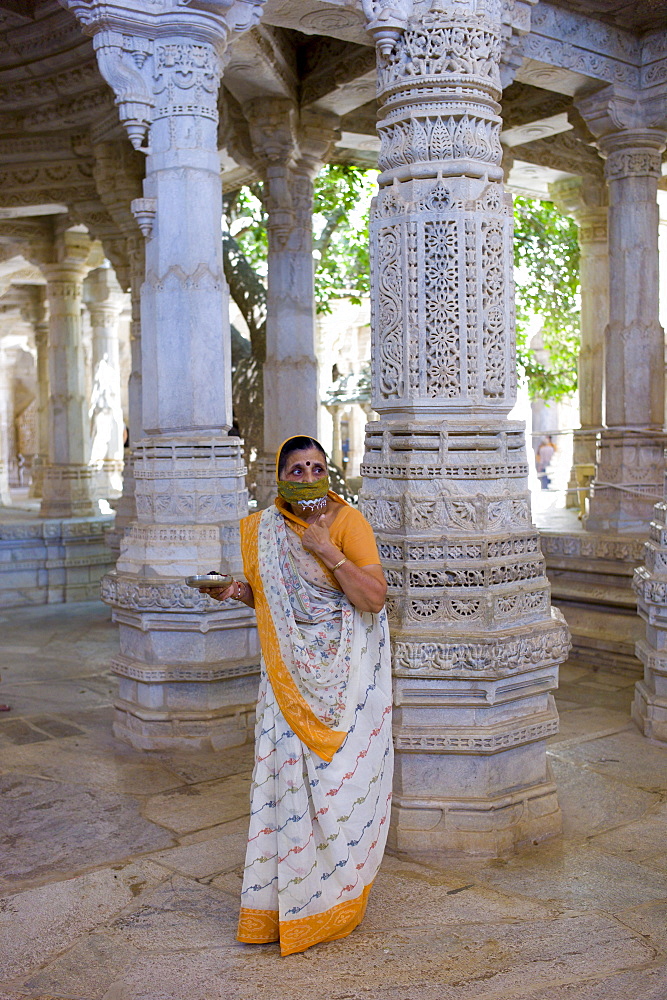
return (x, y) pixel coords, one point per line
(187, 665)
(103, 299)
(67, 478)
(649, 708)
(119, 172)
(6, 418)
(631, 134)
(587, 204)
(41, 327)
(126, 506)
(289, 149)
(476, 645)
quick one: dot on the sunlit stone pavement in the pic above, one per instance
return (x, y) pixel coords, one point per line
(121, 870)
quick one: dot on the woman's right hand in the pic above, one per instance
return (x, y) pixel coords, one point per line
(237, 589)
(220, 593)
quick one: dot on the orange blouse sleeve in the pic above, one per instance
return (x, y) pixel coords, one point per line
(353, 535)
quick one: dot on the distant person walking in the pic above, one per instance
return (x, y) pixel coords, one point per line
(543, 457)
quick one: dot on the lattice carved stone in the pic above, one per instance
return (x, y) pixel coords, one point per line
(445, 472)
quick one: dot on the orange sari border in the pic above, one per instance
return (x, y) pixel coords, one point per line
(296, 710)
(264, 926)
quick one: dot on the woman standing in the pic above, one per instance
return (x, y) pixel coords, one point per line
(323, 754)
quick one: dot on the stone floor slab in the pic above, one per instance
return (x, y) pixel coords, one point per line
(650, 921)
(86, 970)
(55, 827)
(625, 756)
(426, 896)
(591, 803)
(498, 960)
(575, 875)
(641, 841)
(30, 698)
(42, 922)
(193, 807)
(617, 700)
(579, 918)
(209, 764)
(207, 858)
(179, 913)
(81, 762)
(582, 724)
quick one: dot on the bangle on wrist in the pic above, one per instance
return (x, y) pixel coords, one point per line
(339, 564)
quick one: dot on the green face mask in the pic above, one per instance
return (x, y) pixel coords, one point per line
(303, 493)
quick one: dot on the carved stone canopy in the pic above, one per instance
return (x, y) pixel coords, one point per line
(63, 149)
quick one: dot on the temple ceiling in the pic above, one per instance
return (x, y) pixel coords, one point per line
(63, 152)
(626, 14)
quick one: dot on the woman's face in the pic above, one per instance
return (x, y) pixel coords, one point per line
(305, 466)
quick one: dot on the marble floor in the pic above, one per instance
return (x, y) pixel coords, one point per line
(120, 870)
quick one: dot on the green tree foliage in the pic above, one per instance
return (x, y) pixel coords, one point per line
(546, 259)
(341, 238)
(341, 212)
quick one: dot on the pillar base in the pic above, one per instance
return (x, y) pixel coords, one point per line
(649, 713)
(230, 726)
(109, 479)
(649, 708)
(629, 481)
(5, 495)
(487, 827)
(36, 477)
(188, 667)
(125, 507)
(68, 491)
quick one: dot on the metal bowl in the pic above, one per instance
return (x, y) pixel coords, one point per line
(209, 581)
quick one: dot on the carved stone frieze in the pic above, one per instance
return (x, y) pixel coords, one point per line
(592, 546)
(633, 163)
(473, 742)
(177, 674)
(138, 594)
(490, 657)
(569, 40)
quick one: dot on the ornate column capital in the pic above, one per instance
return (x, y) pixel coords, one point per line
(288, 150)
(631, 130)
(386, 20)
(318, 131)
(272, 124)
(165, 57)
(586, 202)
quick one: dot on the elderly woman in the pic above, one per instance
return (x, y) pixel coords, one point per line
(323, 754)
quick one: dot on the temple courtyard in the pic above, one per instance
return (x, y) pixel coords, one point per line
(121, 869)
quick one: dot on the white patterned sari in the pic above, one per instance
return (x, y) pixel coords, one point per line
(323, 754)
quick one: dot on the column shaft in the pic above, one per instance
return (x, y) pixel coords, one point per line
(5, 429)
(42, 348)
(631, 134)
(476, 645)
(289, 151)
(106, 413)
(67, 484)
(583, 199)
(126, 506)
